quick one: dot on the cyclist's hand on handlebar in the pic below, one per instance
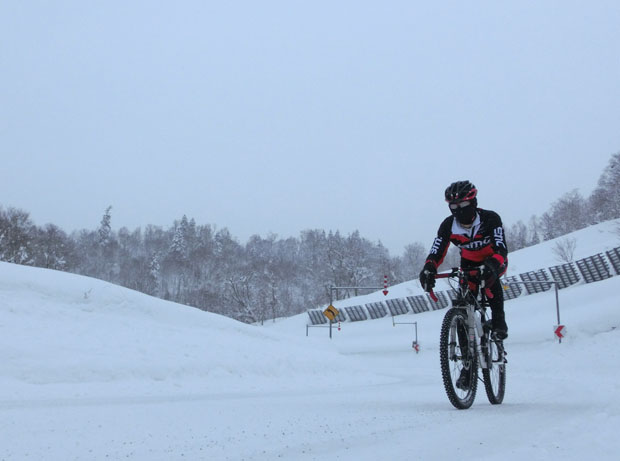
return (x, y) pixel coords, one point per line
(427, 276)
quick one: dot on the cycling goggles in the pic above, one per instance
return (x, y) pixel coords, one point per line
(463, 204)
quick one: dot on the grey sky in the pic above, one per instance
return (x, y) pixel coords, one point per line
(283, 116)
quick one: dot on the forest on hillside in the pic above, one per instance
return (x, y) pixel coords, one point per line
(267, 277)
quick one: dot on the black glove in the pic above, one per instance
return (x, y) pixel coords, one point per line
(427, 276)
(493, 269)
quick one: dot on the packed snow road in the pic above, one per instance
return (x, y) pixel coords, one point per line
(123, 376)
(550, 411)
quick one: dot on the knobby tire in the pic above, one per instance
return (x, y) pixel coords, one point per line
(494, 376)
(454, 320)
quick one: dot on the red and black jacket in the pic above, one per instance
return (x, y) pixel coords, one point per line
(484, 239)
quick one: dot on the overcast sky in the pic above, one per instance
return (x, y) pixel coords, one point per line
(265, 116)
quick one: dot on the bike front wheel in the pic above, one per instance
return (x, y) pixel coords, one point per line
(494, 375)
(459, 361)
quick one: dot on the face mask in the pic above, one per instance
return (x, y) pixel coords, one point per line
(465, 215)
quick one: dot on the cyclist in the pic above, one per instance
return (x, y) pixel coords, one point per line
(480, 237)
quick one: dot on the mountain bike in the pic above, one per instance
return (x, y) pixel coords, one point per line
(466, 342)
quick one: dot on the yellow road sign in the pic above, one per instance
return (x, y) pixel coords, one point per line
(331, 312)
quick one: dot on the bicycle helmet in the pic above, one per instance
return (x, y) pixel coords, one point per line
(460, 191)
(461, 196)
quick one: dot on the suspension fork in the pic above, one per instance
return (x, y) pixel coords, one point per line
(475, 333)
(457, 338)
(453, 342)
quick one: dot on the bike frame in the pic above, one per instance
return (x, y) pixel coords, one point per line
(475, 307)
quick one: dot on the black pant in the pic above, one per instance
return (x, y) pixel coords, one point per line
(497, 301)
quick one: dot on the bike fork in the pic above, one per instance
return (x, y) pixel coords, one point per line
(475, 334)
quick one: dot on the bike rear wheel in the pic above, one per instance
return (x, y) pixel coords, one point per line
(494, 375)
(457, 360)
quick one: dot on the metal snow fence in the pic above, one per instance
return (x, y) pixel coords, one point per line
(340, 317)
(614, 258)
(418, 303)
(594, 268)
(376, 310)
(452, 295)
(442, 300)
(565, 275)
(536, 276)
(511, 290)
(397, 306)
(317, 317)
(356, 313)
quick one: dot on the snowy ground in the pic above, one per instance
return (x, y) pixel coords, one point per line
(93, 371)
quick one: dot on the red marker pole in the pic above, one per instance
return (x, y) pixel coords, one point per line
(385, 290)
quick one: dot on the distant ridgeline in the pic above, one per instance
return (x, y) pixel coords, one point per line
(595, 268)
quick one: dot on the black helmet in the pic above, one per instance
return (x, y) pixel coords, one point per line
(460, 191)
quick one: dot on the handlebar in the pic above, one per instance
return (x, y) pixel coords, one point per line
(457, 272)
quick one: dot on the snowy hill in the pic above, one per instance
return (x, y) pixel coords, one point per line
(95, 371)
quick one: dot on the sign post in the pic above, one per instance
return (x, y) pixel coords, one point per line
(331, 313)
(414, 344)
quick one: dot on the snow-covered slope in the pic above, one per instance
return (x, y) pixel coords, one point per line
(63, 331)
(95, 371)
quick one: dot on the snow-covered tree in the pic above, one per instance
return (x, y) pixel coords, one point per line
(178, 248)
(107, 266)
(564, 249)
(517, 235)
(53, 249)
(154, 275)
(533, 231)
(413, 260)
(105, 228)
(605, 200)
(16, 235)
(567, 214)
